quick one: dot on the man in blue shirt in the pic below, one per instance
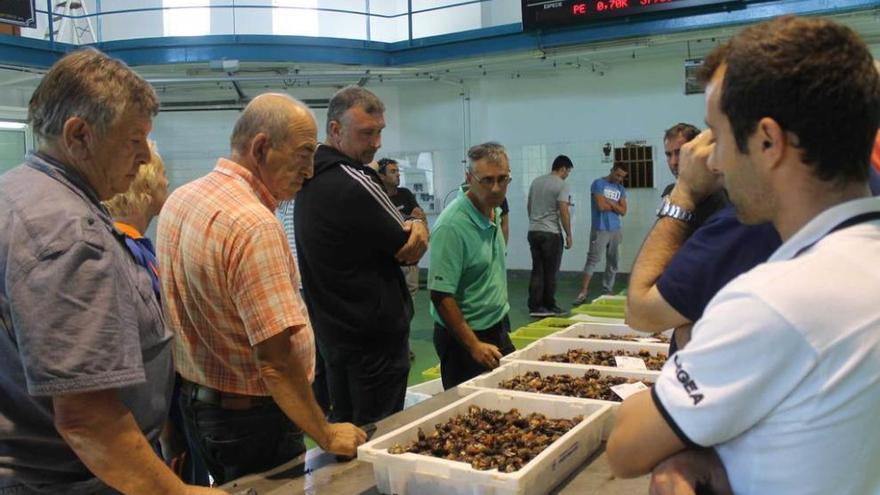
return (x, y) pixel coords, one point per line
(608, 204)
(85, 361)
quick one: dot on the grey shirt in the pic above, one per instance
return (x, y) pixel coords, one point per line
(544, 196)
(77, 314)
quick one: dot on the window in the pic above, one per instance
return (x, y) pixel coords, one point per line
(639, 161)
(13, 144)
(195, 21)
(295, 17)
(417, 175)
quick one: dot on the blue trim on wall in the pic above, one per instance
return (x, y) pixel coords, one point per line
(263, 48)
(481, 42)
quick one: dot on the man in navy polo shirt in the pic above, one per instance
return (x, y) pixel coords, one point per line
(673, 279)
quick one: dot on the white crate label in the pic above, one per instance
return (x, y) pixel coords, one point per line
(632, 363)
(624, 390)
(648, 340)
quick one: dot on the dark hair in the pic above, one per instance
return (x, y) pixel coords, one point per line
(90, 85)
(352, 96)
(620, 166)
(562, 161)
(383, 164)
(687, 131)
(815, 78)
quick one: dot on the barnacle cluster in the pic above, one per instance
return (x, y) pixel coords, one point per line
(490, 439)
(605, 358)
(592, 385)
(629, 338)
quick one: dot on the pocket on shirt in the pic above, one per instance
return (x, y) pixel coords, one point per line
(151, 322)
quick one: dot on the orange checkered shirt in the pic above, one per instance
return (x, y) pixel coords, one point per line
(228, 280)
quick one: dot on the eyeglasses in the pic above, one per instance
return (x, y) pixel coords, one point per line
(501, 180)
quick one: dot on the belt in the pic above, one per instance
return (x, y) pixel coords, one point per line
(223, 400)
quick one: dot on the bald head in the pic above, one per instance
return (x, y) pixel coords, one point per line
(276, 138)
(276, 115)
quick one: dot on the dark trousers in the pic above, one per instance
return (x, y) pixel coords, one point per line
(193, 471)
(235, 443)
(546, 251)
(319, 385)
(367, 384)
(456, 363)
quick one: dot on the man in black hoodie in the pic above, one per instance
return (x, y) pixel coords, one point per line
(351, 242)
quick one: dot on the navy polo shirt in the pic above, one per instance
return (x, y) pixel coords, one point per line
(717, 252)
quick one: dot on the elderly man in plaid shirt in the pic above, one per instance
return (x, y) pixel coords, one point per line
(244, 345)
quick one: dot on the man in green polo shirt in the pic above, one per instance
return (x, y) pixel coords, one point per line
(468, 276)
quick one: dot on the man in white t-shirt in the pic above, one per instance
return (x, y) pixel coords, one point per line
(778, 390)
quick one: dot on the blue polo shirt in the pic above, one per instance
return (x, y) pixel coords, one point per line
(606, 220)
(467, 261)
(77, 314)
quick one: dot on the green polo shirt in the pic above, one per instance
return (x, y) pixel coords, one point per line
(467, 261)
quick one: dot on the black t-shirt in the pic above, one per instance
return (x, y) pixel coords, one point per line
(405, 201)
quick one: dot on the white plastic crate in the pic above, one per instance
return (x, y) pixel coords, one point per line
(594, 319)
(509, 370)
(430, 387)
(490, 381)
(403, 474)
(555, 345)
(422, 392)
(574, 331)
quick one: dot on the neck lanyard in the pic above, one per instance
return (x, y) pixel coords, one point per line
(864, 217)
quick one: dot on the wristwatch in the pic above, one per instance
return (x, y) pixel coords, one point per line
(671, 210)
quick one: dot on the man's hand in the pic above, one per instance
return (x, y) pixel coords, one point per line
(568, 242)
(344, 439)
(696, 181)
(682, 473)
(486, 354)
(416, 245)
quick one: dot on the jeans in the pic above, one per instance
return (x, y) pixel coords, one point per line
(236, 443)
(546, 251)
(607, 242)
(456, 363)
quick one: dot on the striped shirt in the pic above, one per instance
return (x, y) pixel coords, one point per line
(228, 280)
(284, 212)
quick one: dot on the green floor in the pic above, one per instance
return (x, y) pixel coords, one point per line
(422, 328)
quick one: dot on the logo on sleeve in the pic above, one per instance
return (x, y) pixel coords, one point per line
(687, 382)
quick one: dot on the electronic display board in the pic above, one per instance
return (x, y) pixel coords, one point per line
(18, 12)
(539, 14)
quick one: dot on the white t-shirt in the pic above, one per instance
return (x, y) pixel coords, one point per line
(783, 373)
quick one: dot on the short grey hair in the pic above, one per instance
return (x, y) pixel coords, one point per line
(262, 115)
(492, 152)
(92, 86)
(349, 97)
